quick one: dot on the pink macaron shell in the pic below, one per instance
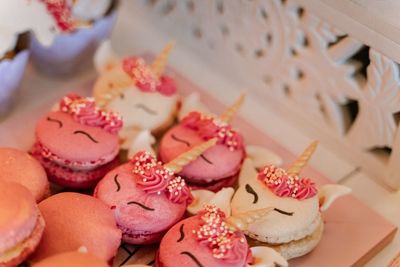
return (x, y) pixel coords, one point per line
(70, 178)
(173, 244)
(72, 259)
(74, 220)
(68, 145)
(119, 187)
(225, 162)
(18, 214)
(20, 167)
(29, 245)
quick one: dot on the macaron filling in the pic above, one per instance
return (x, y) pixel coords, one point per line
(15, 254)
(75, 165)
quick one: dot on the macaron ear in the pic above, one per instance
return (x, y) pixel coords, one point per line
(267, 257)
(329, 193)
(247, 173)
(262, 156)
(105, 58)
(221, 199)
(144, 140)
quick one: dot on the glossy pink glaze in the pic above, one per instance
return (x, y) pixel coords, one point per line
(225, 163)
(18, 214)
(74, 220)
(169, 254)
(77, 147)
(139, 224)
(20, 167)
(73, 258)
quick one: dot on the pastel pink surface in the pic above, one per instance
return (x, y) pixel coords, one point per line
(18, 214)
(169, 254)
(20, 167)
(119, 187)
(73, 258)
(74, 220)
(75, 147)
(225, 163)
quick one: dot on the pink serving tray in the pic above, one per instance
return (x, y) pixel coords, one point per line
(353, 232)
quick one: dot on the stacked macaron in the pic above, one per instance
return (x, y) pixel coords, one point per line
(217, 167)
(21, 224)
(77, 144)
(146, 197)
(143, 94)
(295, 227)
(212, 238)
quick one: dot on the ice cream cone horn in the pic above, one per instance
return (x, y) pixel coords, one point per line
(302, 161)
(160, 62)
(228, 114)
(177, 164)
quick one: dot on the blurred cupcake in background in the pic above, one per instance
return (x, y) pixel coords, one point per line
(12, 68)
(17, 17)
(83, 24)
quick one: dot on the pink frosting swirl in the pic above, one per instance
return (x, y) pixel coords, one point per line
(153, 180)
(209, 128)
(145, 79)
(192, 120)
(167, 86)
(281, 188)
(84, 111)
(152, 177)
(213, 232)
(306, 189)
(178, 191)
(238, 249)
(284, 185)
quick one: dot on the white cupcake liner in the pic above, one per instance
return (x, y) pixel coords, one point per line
(11, 73)
(71, 53)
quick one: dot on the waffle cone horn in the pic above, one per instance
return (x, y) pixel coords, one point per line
(241, 221)
(160, 62)
(177, 164)
(231, 111)
(302, 161)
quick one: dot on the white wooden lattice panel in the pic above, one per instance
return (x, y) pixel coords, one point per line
(324, 79)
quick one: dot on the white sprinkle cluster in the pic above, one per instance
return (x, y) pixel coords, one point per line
(215, 232)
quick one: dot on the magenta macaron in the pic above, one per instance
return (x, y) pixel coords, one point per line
(217, 167)
(204, 240)
(146, 197)
(21, 224)
(78, 143)
(20, 167)
(75, 221)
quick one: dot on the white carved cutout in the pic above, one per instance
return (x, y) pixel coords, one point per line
(280, 47)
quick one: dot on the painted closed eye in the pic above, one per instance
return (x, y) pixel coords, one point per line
(193, 258)
(87, 135)
(180, 140)
(117, 183)
(251, 191)
(60, 124)
(182, 232)
(146, 109)
(287, 213)
(140, 205)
